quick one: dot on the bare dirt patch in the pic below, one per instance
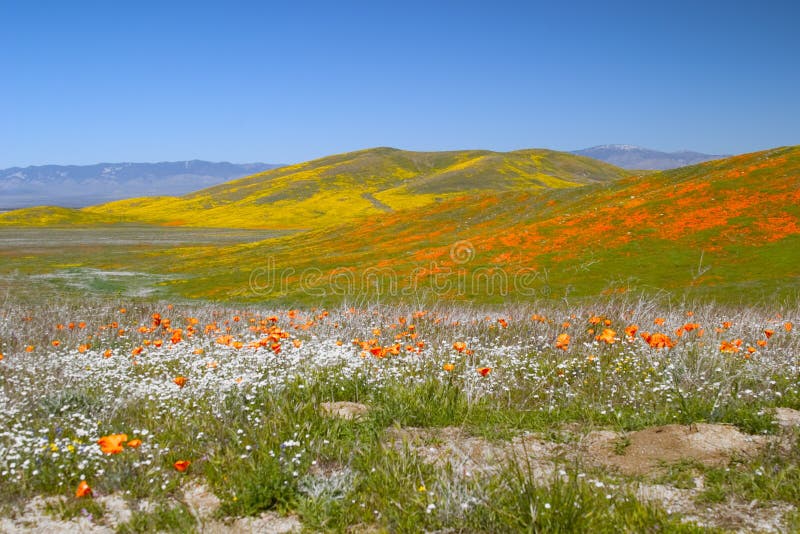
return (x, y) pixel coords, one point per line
(787, 418)
(344, 409)
(731, 515)
(645, 452)
(268, 523)
(34, 518)
(471, 454)
(117, 509)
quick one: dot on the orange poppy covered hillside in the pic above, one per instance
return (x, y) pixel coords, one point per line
(727, 226)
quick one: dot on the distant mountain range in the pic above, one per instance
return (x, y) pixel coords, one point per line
(636, 157)
(83, 185)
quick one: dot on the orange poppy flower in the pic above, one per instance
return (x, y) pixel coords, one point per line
(608, 335)
(197, 351)
(769, 333)
(180, 381)
(134, 443)
(177, 336)
(761, 342)
(460, 346)
(83, 490)
(631, 330)
(182, 465)
(448, 367)
(112, 444)
(657, 340)
(562, 341)
(659, 321)
(29, 348)
(136, 351)
(483, 371)
(730, 347)
(56, 343)
(787, 326)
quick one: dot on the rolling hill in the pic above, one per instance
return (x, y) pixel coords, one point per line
(726, 228)
(358, 185)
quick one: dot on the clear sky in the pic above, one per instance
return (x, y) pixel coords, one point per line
(83, 82)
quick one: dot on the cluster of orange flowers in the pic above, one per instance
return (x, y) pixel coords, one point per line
(403, 341)
(659, 340)
(115, 444)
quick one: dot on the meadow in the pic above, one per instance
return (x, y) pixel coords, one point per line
(135, 415)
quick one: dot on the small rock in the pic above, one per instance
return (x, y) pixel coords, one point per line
(201, 500)
(787, 418)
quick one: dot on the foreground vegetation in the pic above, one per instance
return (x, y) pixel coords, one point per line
(330, 417)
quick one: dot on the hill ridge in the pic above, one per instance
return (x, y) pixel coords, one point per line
(331, 189)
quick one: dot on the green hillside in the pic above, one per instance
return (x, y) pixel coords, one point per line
(360, 184)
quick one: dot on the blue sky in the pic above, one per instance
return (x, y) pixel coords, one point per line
(84, 82)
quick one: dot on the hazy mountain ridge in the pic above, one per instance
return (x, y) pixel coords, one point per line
(82, 185)
(640, 158)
